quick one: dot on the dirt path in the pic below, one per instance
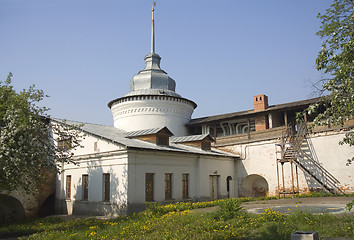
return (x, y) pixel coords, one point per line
(317, 204)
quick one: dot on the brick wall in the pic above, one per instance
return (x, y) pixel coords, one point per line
(261, 123)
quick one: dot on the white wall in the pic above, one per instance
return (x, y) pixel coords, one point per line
(136, 115)
(222, 167)
(198, 167)
(114, 163)
(88, 144)
(333, 157)
(257, 158)
(260, 158)
(159, 163)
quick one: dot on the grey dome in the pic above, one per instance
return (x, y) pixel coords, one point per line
(152, 80)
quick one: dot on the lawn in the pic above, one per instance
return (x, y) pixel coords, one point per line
(182, 221)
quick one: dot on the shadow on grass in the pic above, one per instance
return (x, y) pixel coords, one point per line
(28, 227)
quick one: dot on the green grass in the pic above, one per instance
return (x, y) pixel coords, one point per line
(180, 221)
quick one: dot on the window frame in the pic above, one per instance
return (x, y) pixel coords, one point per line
(64, 144)
(106, 187)
(68, 187)
(85, 182)
(185, 185)
(168, 186)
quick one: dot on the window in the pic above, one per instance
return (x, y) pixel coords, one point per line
(64, 144)
(168, 186)
(185, 185)
(68, 187)
(95, 148)
(228, 179)
(85, 187)
(149, 187)
(162, 140)
(206, 145)
(106, 187)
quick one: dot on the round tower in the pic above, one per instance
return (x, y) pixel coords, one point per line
(152, 101)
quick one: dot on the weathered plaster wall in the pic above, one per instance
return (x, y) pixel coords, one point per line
(257, 158)
(333, 157)
(18, 204)
(260, 158)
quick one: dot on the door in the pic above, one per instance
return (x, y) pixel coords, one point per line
(149, 187)
(214, 187)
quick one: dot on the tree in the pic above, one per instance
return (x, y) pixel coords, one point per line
(336, 61)
(27, 148)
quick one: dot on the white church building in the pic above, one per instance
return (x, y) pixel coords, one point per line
(156, 152)
(146, 155)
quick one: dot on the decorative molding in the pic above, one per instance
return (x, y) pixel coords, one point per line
(156, 110)
(152, 98)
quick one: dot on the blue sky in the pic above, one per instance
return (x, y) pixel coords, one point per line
(83, 53)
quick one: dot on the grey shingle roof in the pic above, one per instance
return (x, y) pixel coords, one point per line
(144, 132)
(190, 138)
(117, 136)
(109, 133)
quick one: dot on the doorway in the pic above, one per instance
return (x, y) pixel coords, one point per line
(149, 187)
(214, 187)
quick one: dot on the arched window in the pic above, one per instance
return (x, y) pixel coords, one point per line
(228, 179)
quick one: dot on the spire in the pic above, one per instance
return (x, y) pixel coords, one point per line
(152, 80)
(153, 30)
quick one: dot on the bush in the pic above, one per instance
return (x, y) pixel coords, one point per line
(350, 205)
(229, 208)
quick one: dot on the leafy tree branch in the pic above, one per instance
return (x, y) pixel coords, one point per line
(27, 148)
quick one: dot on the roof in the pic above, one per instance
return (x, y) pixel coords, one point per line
(191, 138)
(114, 135)
(152, 80)
(249, 113)
(147, 132)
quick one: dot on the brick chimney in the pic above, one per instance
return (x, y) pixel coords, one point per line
(260, 102)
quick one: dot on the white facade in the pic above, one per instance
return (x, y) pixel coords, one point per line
(127, 169)
(199, 168)
(115, 164)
